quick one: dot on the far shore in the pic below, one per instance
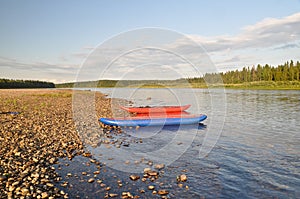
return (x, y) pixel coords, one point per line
(259, 85)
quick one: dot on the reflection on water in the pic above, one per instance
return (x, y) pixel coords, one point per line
(257, 155)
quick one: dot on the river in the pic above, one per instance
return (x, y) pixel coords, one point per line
(247, 148)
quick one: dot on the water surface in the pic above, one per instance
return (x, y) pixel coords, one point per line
(256, 154)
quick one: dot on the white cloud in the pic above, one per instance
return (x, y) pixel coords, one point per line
(268, 41)
(287, 46)
(11, 68)
(266, 33)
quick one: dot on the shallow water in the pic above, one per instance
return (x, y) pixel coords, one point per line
(254, 138)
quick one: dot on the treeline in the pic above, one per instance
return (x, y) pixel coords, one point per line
(289, 71)
(121, 83)
(11, 83)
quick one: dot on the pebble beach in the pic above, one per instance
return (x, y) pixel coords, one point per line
(43, 156)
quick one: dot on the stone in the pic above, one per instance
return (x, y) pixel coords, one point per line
(15, 183)
(152, 173)
(163, 192)
(87, 154)
(24, 191)
(112, 195)
(183, 178)
(126, 144)
(35, 175)
(49, 184)
(159, 166)
(144, 179)
(134, 177)
(11, 189)
(91, 180)
(96, 172)
(146, 170)
(127, 162)
(45, 195)
(142, 191)
(151, 187)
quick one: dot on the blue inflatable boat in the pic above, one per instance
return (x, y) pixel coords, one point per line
(154, 121)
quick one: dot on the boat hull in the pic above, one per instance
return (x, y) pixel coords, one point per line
(153, 121)
(157, 109)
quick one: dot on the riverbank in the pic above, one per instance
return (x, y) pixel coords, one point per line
(266, 85)
(257, 85)
(42, 155)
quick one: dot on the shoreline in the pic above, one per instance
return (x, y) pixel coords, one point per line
(41, 152)
(259, 85)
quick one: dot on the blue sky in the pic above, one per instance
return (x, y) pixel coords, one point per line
(49, 40)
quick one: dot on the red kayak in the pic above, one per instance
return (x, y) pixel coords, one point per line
(156, 109)
(182, 114)
(166, 114)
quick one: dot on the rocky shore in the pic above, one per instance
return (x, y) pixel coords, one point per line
(40, 149)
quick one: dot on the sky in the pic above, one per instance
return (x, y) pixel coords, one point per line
(61, 41)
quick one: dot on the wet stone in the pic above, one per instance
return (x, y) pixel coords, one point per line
(126, 144)
(163, 192)
(87, 154)
(151, 187)
(134, 177)
(144, 179)
(127, 195)
(96, 172)
(152, 173)
(91, 180)
(146, 170)
(142, 191)
(183, 178)
(159, 166)
(112, 195)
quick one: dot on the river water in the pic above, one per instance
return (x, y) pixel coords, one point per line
(249, 146)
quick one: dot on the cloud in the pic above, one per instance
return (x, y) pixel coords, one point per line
(35, 66)
(139, 63)
(11, 68)
(287, 46)
(232, 59)
(266, 33)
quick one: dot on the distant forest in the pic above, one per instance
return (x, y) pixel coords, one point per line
(288, 72)
(10, 83)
